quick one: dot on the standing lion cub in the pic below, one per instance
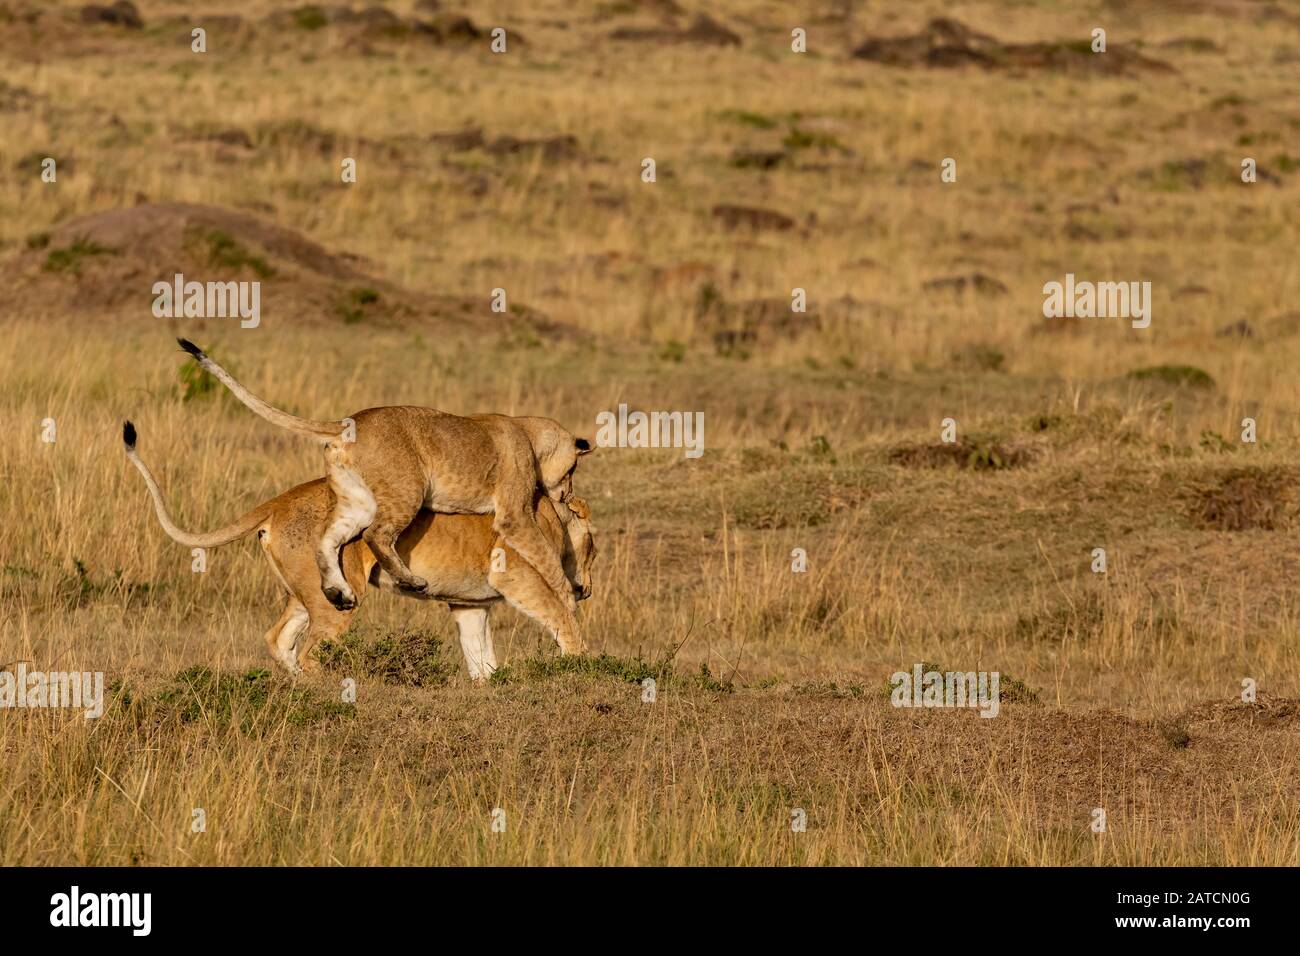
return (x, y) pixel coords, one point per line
(385, 464)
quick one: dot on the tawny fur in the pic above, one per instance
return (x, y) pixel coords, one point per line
(386, 464)
(455, 553)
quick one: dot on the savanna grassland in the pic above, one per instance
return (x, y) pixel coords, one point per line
(774, 170)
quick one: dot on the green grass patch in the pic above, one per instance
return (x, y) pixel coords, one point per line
(830, 690)
(673, 351)
(195, 382)
(354, 306)
(68, 261)
(632, 670)
(749, 118)
(1010, 689)
(1182, 376)
(78, 587)
(980, 357)
(254, 701)
(1175, 735)
(806, 500)
(798, 138)
(310, 18)
(224, 251)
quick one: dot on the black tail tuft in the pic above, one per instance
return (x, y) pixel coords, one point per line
(190, 347)
(128, 436)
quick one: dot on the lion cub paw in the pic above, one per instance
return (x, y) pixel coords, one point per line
(342, 600)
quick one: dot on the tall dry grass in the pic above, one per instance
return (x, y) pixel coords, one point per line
(970, 569)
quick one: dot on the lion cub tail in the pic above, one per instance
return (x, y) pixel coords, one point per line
(211, 540)
(302, 426)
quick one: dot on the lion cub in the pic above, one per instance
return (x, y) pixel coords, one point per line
(385, 464)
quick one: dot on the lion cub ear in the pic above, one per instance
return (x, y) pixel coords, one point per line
(579, 507)
(583, 446)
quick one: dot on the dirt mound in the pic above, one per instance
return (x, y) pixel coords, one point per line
(1230, 9)
(550, 147)
(752, 217)
(156, 230)
(120, 14)
(375, 22)
(703, 30)
(1241, 329)
(943, 42)
(1263, 714)
(946, 43)
(975, 453)
(735, 326)
(740, 325)
(31, 31)
(559, 146)
(975, 282)
(225, 31)
(108, 263)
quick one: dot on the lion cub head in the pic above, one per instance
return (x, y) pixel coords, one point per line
(557, 452)
(580, 541)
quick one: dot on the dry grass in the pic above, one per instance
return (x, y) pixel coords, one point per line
(819, 435)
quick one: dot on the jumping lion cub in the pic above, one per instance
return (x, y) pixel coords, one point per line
(385, 464)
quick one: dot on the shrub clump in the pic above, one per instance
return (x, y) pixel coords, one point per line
(1245, 499)
(633, 670)
(1182, 376)
(1010, 689)
(412, 658)
(974, 453)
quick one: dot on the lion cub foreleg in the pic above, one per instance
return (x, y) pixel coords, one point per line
(326, 622)
(283, 635)
(525, 590)
(396, 508)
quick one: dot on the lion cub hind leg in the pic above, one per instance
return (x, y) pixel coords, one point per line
(396, 509)
(353, 511)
